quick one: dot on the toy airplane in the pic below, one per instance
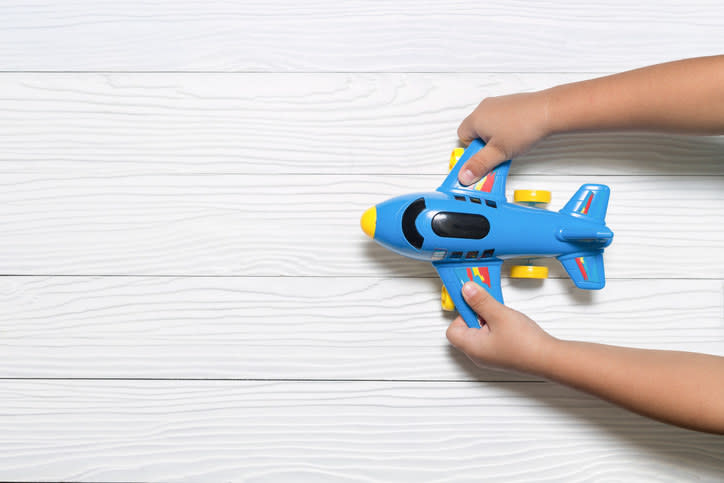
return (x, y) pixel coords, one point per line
(467, 231)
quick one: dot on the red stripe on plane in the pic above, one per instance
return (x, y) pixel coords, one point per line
(489, 181)
(588, 203)
(486, 275)
(582, 268)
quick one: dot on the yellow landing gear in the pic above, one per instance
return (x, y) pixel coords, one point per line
(446, 301)
(534, 197)
(528, 271)
(455, 157)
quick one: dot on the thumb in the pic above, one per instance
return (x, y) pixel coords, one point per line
(484, 304)
(480, 164)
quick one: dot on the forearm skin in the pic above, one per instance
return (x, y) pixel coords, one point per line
(681, 388)
(685, 96)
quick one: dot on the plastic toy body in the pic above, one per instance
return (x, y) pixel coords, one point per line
(467, 231)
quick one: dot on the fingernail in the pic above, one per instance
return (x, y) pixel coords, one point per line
(470, 289)
(467, 177)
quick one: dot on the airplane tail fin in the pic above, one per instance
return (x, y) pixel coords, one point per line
(590, 201)
(585, 269)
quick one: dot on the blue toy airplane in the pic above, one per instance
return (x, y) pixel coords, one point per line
(467, 231)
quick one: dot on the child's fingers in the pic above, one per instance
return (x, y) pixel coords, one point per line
(480, 164)
(466, 131)
(462, 336)
(456, 332)
(483, 303)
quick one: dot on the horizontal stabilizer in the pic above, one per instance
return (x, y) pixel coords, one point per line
(585, 269)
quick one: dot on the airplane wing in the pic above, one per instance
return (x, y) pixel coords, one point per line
(491, 187)
(484, 273)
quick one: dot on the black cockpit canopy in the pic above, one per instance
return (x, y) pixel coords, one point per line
(460, 225)
(408, 223)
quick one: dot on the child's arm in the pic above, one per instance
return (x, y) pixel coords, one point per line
(684, 96)
(682, 388)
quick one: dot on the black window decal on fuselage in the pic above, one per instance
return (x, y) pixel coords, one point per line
(408, 223)
(460, 225)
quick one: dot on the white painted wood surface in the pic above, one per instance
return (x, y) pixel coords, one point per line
(372, 36)
(309, 225)
(336, 430)
(186, 294)
(91, 125)
(121, 184)
(314, 327)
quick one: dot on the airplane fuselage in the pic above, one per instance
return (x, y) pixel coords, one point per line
(437, 226)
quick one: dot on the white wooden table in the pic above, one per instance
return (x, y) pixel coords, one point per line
(187, 295)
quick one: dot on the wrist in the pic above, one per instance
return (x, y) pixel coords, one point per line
(533, 355)
(544, 362)
(555, 121)
(547, 98)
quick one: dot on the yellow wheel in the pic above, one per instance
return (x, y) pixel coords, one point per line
(528, 271)
(532, 196)
(455, 157)
(446, 301)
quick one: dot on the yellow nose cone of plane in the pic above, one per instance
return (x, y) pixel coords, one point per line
(369, 221)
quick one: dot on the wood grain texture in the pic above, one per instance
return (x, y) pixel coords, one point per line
(299, 225)
(201, 431)
(199, 174)
(332, 431)
(315, 328)
(196, 124)
(377, 36)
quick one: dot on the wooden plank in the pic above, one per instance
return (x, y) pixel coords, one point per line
(327, 431)
(299, 225)
(153, 124)
(315, 328)
(354, 36)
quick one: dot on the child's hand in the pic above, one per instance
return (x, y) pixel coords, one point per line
(681, 388)
(509, 339)
(509, 125)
